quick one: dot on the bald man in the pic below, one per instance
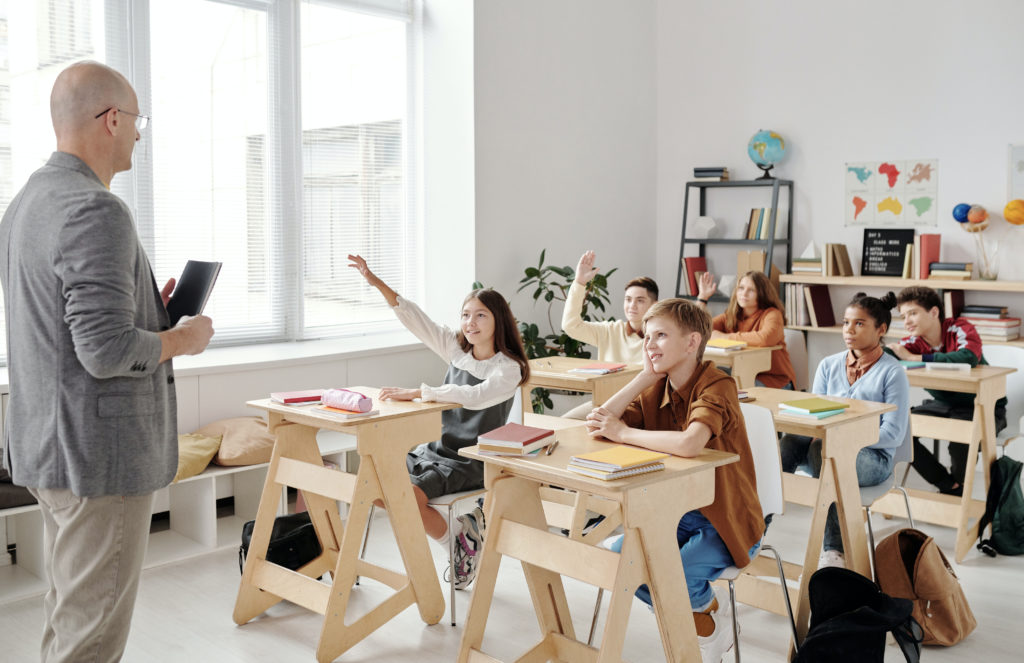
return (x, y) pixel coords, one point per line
(91, 423)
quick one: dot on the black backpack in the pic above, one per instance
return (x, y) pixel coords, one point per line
(850, 617)
(293, 542)
(1004, 509)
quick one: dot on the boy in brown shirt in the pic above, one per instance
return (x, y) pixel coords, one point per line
(680, 404)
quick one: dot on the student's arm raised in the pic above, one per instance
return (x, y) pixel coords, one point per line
(573, 323)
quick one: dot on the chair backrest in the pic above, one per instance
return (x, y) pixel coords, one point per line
(796, 346)
(1011, 357)
(764, 446)
(905, 452)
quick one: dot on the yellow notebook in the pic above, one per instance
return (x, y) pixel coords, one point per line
(811, 405)
(726, 344)
(619, 457)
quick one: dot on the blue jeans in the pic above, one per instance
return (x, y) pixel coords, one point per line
(704, 558)
(801, 452)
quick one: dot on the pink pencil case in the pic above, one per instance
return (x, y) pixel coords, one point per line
(346, 399)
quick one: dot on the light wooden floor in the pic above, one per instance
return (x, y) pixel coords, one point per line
(184, 610)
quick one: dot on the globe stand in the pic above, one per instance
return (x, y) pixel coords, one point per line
(767, 171)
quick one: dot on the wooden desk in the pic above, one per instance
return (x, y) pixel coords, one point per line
(989, 385)
(553, 373)
(843, 436)
(651, 506)
(744, 364)
(382, 442)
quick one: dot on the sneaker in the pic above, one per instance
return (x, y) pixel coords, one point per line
(478, 520)
(831, 558)
(469, 544)
(724, 607)
(716, 645)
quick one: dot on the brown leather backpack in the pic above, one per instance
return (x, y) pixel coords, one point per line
(910, 565)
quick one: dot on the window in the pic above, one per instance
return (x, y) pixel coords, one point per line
(277, 175)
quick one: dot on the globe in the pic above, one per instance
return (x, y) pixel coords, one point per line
(766, 148)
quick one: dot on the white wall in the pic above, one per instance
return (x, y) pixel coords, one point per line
(865, 80)
(565, 139)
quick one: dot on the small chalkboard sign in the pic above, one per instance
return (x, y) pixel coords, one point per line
(885, 251)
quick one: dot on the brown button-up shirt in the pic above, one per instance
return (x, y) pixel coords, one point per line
(710, 398)
(858, 366)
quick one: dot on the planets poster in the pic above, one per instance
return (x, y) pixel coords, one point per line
(892, 193)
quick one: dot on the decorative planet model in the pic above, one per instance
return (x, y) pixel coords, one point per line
(1014, 212)
(972, 218)
(960, 212)
(766, 148)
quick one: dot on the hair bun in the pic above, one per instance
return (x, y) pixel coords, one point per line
(889, 300)
(860, 294)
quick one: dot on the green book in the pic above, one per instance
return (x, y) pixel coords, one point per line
(811, 415)
(812, 405)
(909, 365)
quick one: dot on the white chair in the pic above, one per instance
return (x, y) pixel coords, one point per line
(796, 346)
(1012, 357)
(764, 447)
(870, 494)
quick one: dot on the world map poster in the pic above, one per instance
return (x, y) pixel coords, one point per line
(892, 193)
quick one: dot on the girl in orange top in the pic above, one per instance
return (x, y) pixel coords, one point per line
(756, 315)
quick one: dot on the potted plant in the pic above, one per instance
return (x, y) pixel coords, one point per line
(551, 283)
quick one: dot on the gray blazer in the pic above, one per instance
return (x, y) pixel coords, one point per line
(91, 408)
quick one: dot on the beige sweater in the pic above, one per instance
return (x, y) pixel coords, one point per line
(614, 341)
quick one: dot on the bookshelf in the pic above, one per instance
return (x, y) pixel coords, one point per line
(767, 245)
(897, 283)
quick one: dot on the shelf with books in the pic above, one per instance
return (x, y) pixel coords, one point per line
(895, 333)
(866, 282)
(768, 243)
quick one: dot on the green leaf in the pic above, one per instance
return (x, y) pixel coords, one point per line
(539, 264)
(549, 295)
(477, 285)
(532, 272)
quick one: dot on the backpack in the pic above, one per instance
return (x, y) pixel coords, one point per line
(909, 565)
(293, 542)
(850, 618)
(1004, 508)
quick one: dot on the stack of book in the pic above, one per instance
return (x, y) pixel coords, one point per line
(807, 266)
(301, 397)
(835, 260)
(711, 174)
(992, 322)
(812, 408)
(617, 462)
(514, 440)
(796, 305)
(898, 323)
(723, 346)
(951, 271)
(598, 368)
(760, 222)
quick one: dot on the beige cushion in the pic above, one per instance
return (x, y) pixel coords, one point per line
(194, 454)
(244, 441)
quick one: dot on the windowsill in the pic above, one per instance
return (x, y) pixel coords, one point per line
(269, 355)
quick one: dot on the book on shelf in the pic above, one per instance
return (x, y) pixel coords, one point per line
(691, 266)
(618, 457)
(950, 367)
(836, 260)
(980, 311)
(711, 178)
(927, 246)
(1000, 338)
(952, 303)
(611, 475)
(954, 266)
(300, 397)
(819, 306)
(949, 275)
(908, 261)
(338, 413)
(911, 365)
(598, 368)
(514, 436)
(989, 323)
(813, 405)
(699, 171)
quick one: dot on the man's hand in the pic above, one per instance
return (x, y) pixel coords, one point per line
(165, 294)
(189, 337)
(602, 423)
(399, 394)
(585, 269)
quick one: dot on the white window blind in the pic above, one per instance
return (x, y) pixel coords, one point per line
(281, 141)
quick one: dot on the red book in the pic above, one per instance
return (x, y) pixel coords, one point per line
(694, 265)
(819, 305)
(514, 435)
(930, 244)
(598, 368)
(297, 397)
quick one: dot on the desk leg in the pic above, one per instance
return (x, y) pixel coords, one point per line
(607, 387)
(742, 373)
(966, 534)
(826, 496)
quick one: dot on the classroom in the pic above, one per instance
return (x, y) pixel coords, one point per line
(459, 142)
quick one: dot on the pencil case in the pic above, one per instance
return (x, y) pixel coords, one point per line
(346, 399)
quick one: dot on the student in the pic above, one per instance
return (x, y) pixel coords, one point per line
(680, 404)
(755, 314)
(486, 364)
(864, 371)
(933, 338)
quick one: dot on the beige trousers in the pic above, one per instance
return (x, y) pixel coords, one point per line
(94, 548)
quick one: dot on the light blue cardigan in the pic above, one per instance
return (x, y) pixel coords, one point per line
(885, 382)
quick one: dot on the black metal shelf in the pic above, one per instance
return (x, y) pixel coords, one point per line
(768, 244)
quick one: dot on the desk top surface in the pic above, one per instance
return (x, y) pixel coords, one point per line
(963, 381)
(574, 441)
(559, 367)
(309, 416)
(770, 398)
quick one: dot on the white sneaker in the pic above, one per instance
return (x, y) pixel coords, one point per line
(832, 558)
(724, 607)
(715, 646)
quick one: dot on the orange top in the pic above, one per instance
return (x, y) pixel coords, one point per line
(766, 327)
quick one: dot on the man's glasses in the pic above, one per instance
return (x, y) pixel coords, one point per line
(141, 121)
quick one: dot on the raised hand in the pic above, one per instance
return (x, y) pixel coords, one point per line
(585, 269)
(706, 286)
